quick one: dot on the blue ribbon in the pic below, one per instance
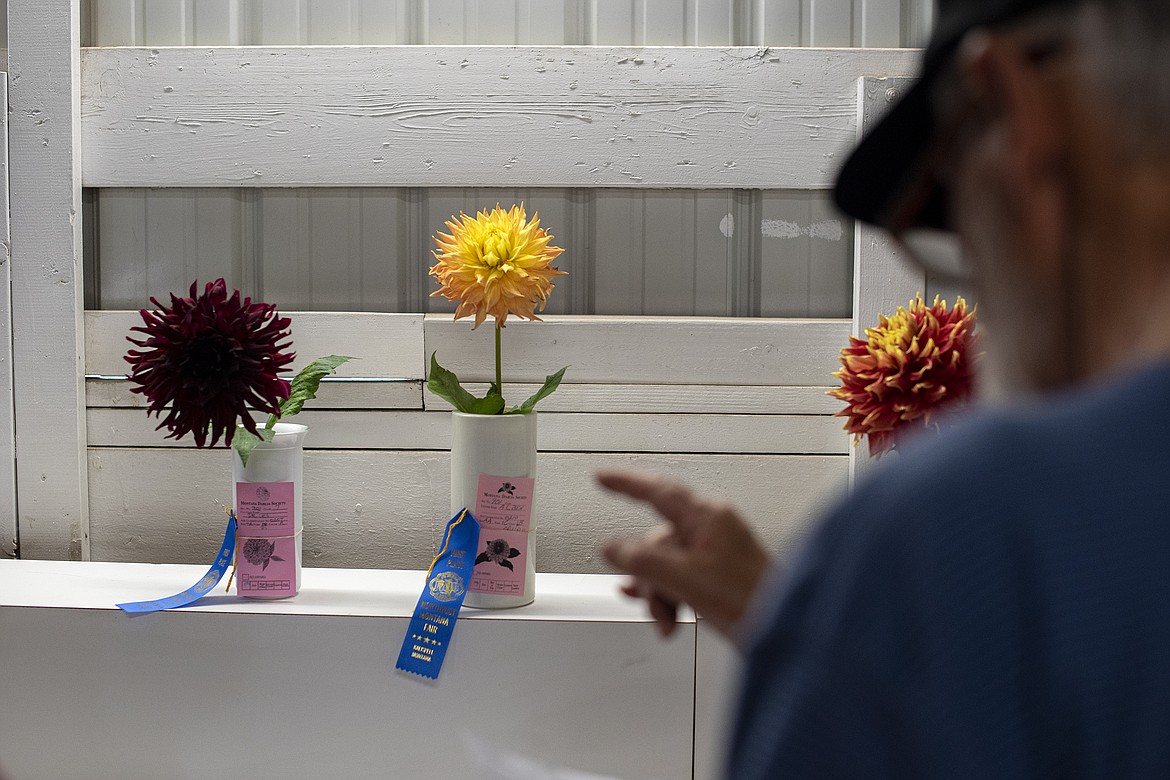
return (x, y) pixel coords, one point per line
(199, 589)
(434, 617)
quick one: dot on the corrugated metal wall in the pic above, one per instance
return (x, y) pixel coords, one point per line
(870, 23)
(730, 252)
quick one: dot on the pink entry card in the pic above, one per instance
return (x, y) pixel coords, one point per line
(265, 508)
(267, 567)
(266, 557)
(503, 507)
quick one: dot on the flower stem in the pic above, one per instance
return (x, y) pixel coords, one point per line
(499, 365)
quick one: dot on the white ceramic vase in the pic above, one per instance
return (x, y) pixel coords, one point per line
(493, 473)
(267, 498)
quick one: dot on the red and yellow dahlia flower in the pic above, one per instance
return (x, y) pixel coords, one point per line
(912, 364)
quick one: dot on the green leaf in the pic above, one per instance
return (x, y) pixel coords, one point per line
(305, 384)
(492, 403)
(244, 442)
(551, 383)
(445, 384)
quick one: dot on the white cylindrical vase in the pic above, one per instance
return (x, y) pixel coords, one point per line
(493, 474)
(266, 495)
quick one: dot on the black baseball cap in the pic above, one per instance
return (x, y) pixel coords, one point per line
(881, 166)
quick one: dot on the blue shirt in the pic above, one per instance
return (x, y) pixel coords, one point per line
(996, 605)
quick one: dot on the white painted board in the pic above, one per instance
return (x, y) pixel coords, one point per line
(559, 432)
(883, 280)
(45, 196)
(718, 671)
(676, 399)
(660, 350)
(385, 345)
(386, 509)
(597, 349)
(7, 420)
(334, 393)
(563, 116)
(612, 399)
(306, 688)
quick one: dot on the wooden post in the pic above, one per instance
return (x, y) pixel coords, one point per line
(44, 72)
(7, 421)
(882, 281)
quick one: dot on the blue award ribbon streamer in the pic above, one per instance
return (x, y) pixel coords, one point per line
(434, 617)
(199, 589)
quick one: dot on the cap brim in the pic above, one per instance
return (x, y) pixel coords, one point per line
(888, 158)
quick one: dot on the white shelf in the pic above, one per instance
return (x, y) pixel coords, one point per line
(578, 679)
(325, 592)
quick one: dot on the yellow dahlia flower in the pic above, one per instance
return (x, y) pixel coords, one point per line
(497, 263)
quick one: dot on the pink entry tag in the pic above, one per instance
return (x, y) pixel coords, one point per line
(266, 558)
(265, 509)
(503, 507)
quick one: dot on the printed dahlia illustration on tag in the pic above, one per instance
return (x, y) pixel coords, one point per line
(261, 552)
(267, 567)
(498, 551)
(503, 506)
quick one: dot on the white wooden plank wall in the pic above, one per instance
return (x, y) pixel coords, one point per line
(744, 394)
(382, 508)
(7, 420)
(735, 406)
(627, 255)
(378, 448)
(632, 251)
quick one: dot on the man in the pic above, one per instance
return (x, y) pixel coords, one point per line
(996, 604)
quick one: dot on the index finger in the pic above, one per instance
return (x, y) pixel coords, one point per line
(673, 500)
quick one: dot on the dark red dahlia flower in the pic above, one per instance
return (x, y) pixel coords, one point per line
(909, 366)
(211, 359)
